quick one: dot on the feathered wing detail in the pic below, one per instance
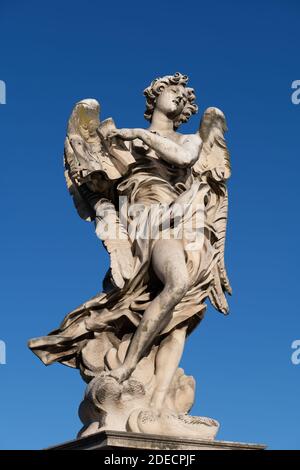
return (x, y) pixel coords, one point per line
(112, 232)
(83, 208)
(214, 156)
(213, 166)
(92, 167)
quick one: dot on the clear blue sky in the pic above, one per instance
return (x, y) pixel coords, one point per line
(241, 57)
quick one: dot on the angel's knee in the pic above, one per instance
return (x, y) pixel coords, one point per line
(178, 286)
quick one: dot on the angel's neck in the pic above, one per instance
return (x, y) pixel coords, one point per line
(160, 122)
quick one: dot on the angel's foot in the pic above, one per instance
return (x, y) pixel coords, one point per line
(122, 373)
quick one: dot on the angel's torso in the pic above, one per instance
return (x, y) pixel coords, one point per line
(152, 180)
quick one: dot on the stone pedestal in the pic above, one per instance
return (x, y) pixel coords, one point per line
(118, 441)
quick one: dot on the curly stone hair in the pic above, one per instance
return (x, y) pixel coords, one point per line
(158, 86)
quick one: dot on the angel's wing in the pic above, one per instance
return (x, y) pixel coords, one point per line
(213, 165)
(114, 236)
(214, 158)
(91, 172)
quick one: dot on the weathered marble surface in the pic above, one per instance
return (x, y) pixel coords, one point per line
(166, 252)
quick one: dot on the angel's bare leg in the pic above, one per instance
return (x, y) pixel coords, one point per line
(167, 361)
(168, 261)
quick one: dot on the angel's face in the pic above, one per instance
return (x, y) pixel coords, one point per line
(172, 101)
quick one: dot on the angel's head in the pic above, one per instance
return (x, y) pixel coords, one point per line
(172, 97)
(85, 118)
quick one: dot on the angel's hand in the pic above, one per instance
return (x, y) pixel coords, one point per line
(125, 134)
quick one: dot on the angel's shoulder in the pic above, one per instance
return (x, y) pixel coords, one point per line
(192, 138)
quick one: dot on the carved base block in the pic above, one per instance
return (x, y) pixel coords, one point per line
(127, 407)
(118, 441)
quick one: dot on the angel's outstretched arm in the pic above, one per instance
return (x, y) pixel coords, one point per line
(182, 154)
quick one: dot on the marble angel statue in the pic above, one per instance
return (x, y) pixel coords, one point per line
(128, 340)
